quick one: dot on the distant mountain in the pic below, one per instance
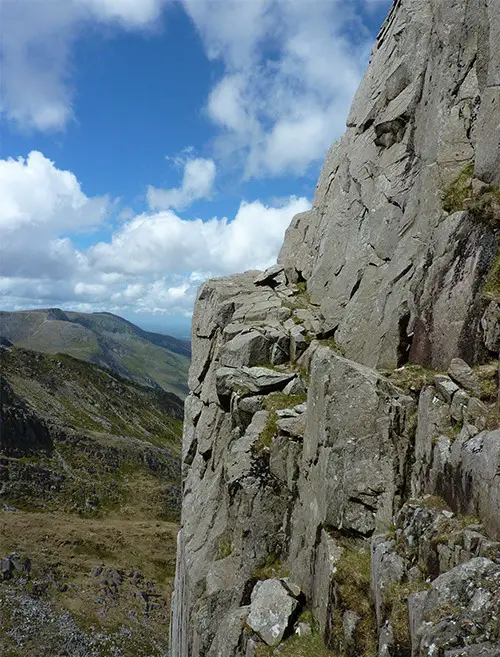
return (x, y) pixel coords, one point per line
(90, 485)
(104, 339)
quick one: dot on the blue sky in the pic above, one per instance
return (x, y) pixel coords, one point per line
(146, 146)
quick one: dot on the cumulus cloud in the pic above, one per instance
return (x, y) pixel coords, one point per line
(291, 69)
(37, 37)
(152, 263)
(40, 205)
(151, 243)
(197, 183)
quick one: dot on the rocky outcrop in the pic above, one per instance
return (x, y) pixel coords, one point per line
(312, 448)
(391, 272)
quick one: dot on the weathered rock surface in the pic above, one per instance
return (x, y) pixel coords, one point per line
(377, 229)
(271, 609)
(380, 495)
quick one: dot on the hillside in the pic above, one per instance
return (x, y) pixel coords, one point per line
(89, 498)
(104, 339)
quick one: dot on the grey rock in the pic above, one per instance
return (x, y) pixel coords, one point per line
(386, 641)
(461, 604)
(395, 278)
(477, 413)
(464, 375)
(445, 386)
(250, 379)
(270, 611)
(228, 634)
(270, 276)
(303, 629)
(246, 349)
(350, 622)
(458, 408)
(387, 567)
(298, 342)
(490, 323)
(377, 219)
(295, 387)
(486, 649)
(293, 426)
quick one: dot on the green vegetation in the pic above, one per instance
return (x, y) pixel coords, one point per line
(301, 287)
(104, 339)
(225, 548)
(275, 402)
(300, 299)
(353, 587)
(331, 344)
(66, 390)
(432, 502)
(66, 553)
(95, 483)
(297, 646)
(488, 377)
(270, 568)
(491, 290)
(395, 604)
(459, 191)
(411, 378)
(483, 205)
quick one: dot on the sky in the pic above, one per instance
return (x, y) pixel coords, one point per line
(148, 145)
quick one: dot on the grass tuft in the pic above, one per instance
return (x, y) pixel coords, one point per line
(459, 191)
(276, 402)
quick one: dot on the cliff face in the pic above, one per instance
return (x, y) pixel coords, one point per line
(317, 488)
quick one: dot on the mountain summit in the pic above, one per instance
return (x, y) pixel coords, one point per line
(104, 339)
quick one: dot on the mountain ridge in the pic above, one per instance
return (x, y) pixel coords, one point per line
(104, 339)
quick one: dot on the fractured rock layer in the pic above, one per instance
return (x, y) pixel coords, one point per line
(319, 466)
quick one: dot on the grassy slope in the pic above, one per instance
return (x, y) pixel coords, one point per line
(100, 493)
(105, 339)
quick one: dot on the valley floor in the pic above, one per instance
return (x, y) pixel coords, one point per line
(79, 586)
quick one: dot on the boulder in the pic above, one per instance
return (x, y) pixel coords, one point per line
(461, 606)
(445, 386)
(246, 349)
(250, 380)
(464, 375)
(271, 610)
(490, 323)
(272, 276)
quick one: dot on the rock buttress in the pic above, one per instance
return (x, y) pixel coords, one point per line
(322, 450)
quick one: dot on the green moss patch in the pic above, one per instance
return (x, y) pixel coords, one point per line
(297, 646)
(353, 580)
(411, 378)
(273, 403)
(272, 567)
(491, 290)
(395, 603)
(483, 205)
(459, 191)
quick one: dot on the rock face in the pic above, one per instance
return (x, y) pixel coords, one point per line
(376, 249)
(318, 443)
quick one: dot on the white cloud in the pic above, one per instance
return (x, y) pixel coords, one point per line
(291, 69)
(35, 193)
(198, 181)
(40, 204)
(153, 263)
(37, 37)
(153, 243)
